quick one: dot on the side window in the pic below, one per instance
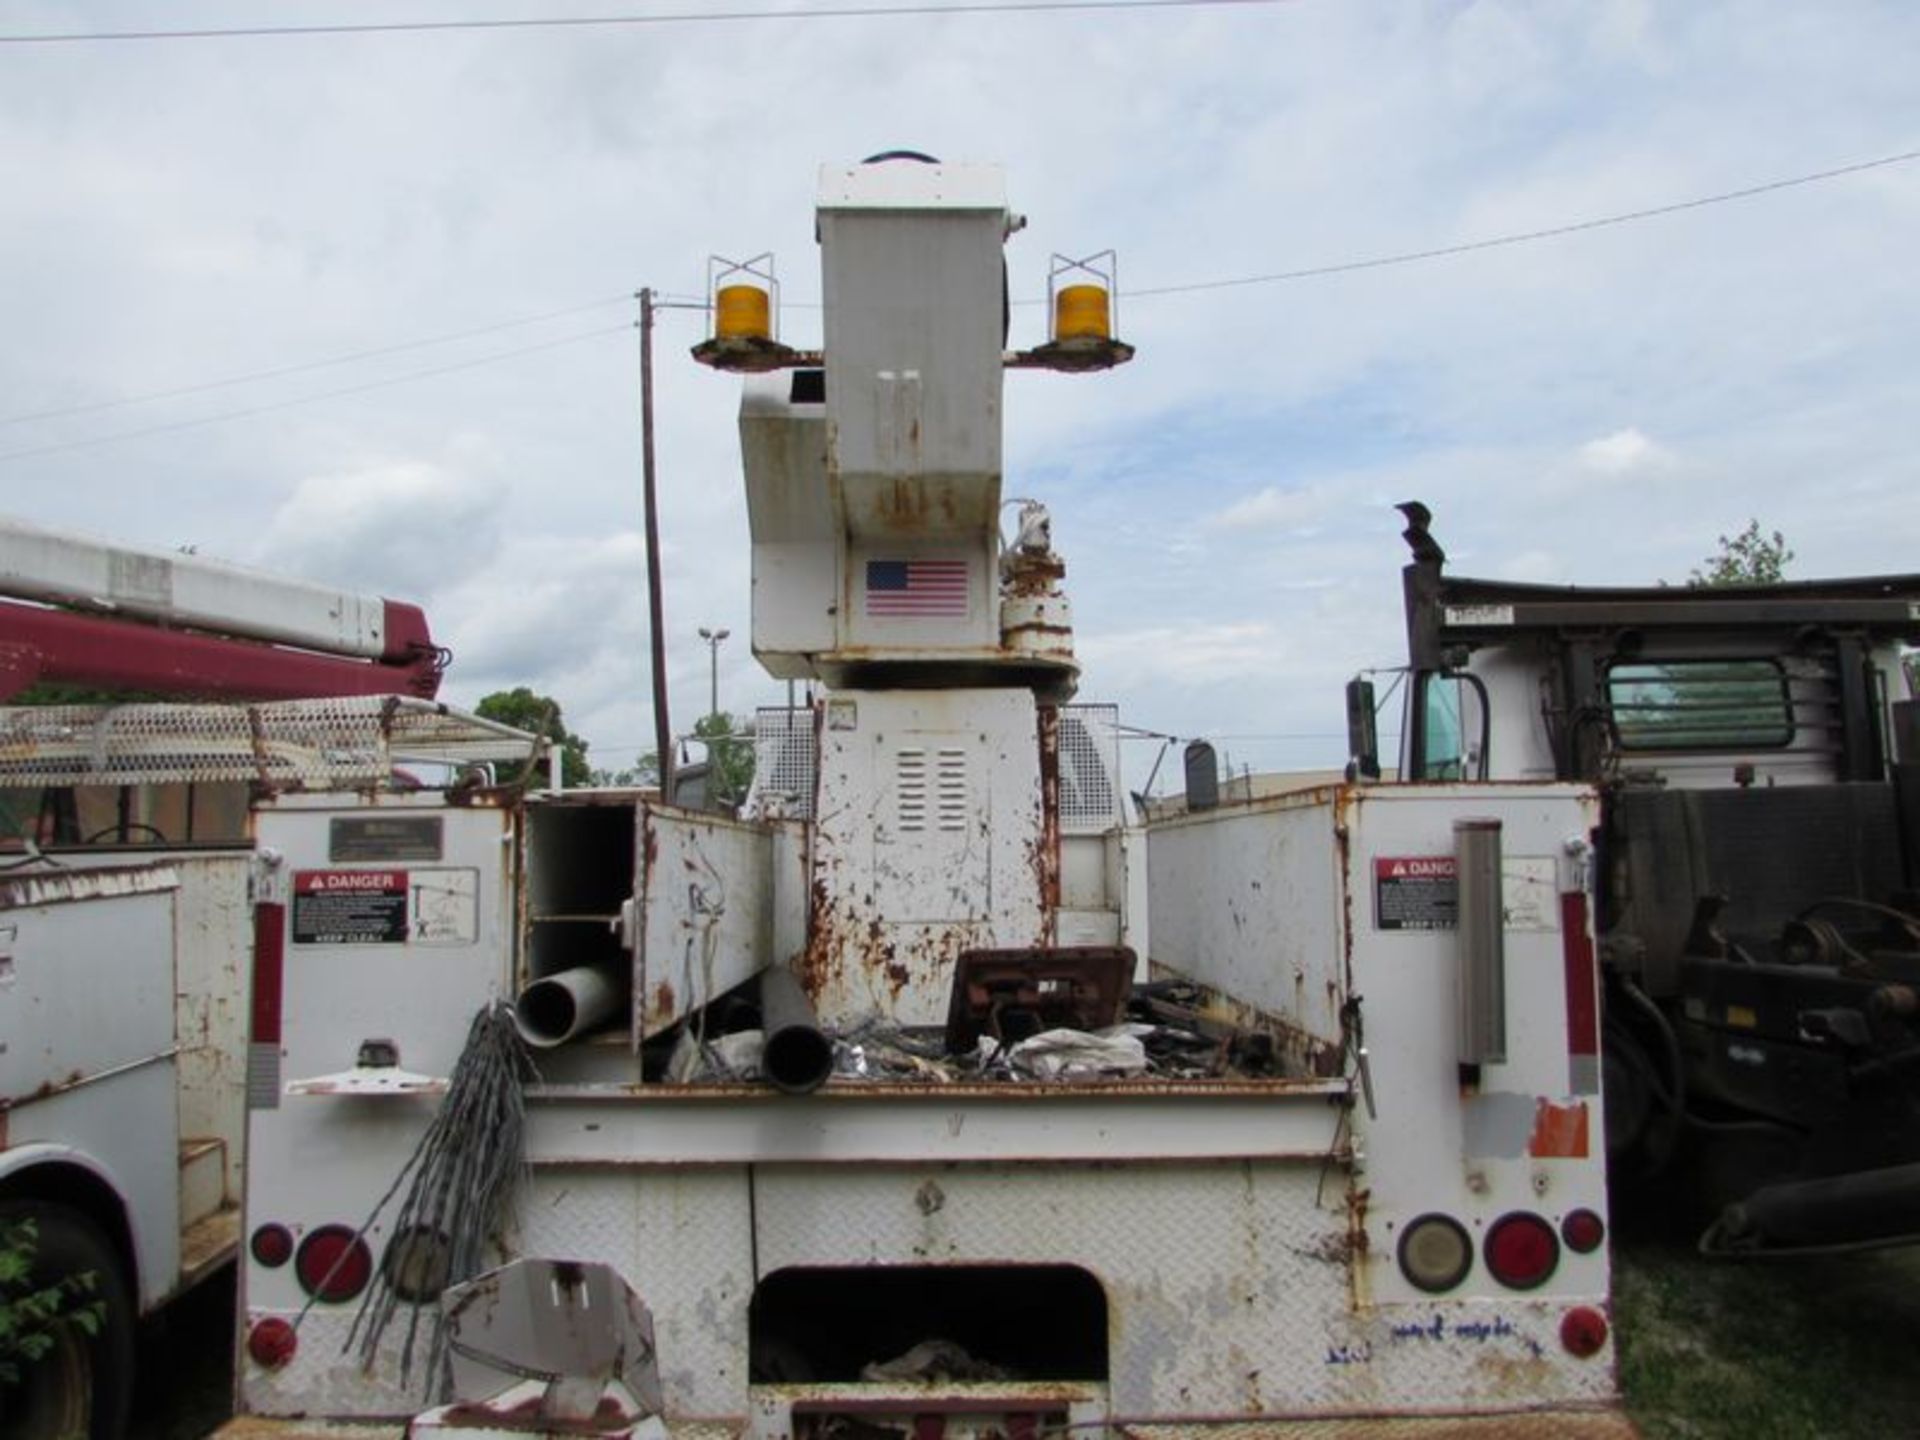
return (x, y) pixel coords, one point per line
(1452, 729)
(1700, 705)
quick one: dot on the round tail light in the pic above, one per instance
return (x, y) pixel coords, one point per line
(1583, 1231)
(1435, 1253)
(271, 1245)
(417, 1264)
(1583, 1330)
(271, 1342)
(1522, 1250)
(333, 1264)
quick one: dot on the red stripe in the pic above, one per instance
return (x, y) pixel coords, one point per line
(269, 971)
(1583, 998)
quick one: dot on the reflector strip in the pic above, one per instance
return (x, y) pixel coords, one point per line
(1559, 1131)
(269, 976)
(1583, 997)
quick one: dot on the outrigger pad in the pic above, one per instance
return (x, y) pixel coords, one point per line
(542, 1341)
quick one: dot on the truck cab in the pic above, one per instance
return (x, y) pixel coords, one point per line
(1755, 747)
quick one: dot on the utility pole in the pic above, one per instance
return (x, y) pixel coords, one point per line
(662, 729)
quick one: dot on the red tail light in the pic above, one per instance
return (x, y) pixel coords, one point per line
(271, 1342)
(271, 1245)
(1583, 1231)
(333, 1264)
(1583, 1330)
(1522, 1250)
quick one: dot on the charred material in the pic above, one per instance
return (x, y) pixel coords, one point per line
(1015, 994)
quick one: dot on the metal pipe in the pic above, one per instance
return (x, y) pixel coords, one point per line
(798, 1057)
(1482, 941)
(1840, 1209)
(558, 1008)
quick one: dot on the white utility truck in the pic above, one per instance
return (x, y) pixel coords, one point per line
(127, 918)
(932, 1099)
(129, 979)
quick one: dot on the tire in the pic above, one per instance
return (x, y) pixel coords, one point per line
(84, 1385)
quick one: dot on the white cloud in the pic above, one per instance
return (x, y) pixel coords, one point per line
(1271, 508)
(1624, 452)
(405, 527)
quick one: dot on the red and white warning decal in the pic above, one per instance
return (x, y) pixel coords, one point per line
(385, 907)
(1415, 892)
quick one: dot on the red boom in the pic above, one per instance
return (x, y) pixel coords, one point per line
(110, 653)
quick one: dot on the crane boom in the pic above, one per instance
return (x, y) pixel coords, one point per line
(89, 612)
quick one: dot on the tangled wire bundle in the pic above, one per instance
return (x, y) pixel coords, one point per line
(465, 1177)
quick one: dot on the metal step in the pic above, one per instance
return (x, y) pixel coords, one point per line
(207, 1244)
(203, 1179)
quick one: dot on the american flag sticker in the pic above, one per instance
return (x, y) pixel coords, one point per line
(917, 588)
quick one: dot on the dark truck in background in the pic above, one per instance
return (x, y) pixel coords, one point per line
(1757, 885)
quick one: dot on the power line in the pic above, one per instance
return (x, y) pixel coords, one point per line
(1192, 287)
(310, 399)
(1439, 252)
(665, 17)
(1521, 237)
(200, 387)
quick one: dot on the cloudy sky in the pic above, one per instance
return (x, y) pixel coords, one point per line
(357, 307)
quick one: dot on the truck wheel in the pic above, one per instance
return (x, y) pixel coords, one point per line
(83, 1386)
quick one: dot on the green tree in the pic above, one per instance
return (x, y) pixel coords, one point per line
(644, 772)
(1748, 558)
(540, 714)
(730, 755)
(34, 1307)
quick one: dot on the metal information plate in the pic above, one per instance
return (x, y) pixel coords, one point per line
(356, 839)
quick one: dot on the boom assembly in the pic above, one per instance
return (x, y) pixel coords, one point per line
(934, 1098)
(77, 611)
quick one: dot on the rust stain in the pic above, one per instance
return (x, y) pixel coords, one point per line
(1358, 1245)
(1345, 798)
(1046, 860)
(526, 1415)
(663, 998)
(1028, 576)
(816, 963)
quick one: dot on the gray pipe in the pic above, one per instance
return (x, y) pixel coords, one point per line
(558, 1008)
(798, 1058)
(1482, 940)
(1866, 1206)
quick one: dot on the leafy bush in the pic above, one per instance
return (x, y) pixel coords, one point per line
(32, 1312)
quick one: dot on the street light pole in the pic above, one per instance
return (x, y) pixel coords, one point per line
(713, 639)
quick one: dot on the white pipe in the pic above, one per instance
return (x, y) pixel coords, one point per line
(559, 1008)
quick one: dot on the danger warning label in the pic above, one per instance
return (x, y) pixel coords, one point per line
(419, 906)
(1415, 892)
(349, 907)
